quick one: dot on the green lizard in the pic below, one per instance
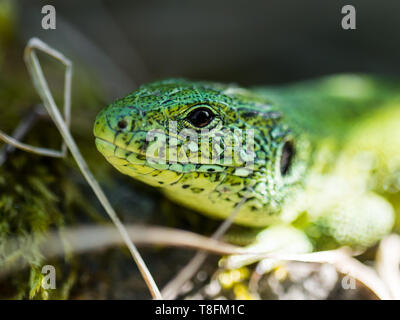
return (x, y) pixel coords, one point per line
(322, 166)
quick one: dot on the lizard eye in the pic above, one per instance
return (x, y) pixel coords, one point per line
(287, 155)
(200, 117)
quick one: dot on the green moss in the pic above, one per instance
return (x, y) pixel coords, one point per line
(39, 194)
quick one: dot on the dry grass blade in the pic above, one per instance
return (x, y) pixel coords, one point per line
(22, 129)
(28, 148)
(90, 238)
(343, 261)
(171, 289)
(388, 260)
(42, 88)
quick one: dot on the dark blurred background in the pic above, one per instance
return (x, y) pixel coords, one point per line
(250, 42)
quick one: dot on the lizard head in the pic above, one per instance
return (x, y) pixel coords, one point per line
(204, 144)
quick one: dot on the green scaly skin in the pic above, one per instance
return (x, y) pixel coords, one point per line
(326, 153)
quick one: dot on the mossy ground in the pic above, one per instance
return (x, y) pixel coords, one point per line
(38, 194)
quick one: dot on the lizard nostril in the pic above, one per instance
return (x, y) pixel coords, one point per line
(122, 124)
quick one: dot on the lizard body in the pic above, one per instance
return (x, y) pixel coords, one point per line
(322, 156)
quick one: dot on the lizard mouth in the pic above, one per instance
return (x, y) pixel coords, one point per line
(126, 157)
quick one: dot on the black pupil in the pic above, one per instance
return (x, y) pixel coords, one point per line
(200, 117)
(287, 157)
(122, 124)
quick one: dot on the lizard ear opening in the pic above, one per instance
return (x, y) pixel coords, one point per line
(288, 152)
